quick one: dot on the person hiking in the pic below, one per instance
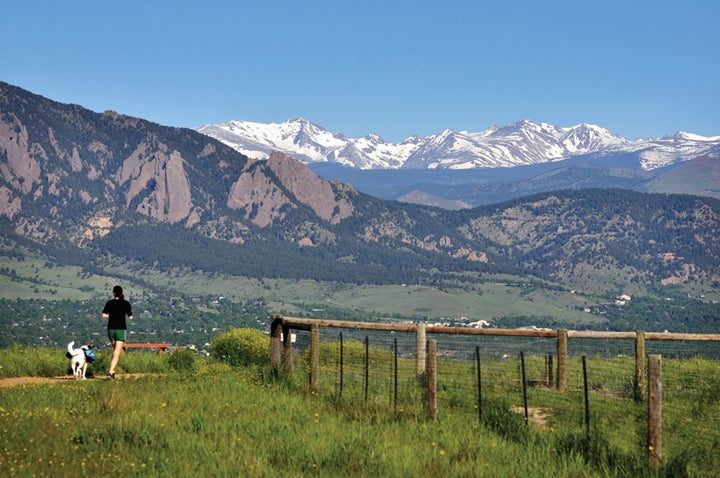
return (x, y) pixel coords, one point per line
(115, 311)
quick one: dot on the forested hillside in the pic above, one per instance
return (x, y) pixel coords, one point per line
(110, 196)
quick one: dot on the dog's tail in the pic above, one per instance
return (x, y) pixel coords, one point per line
(71, 347)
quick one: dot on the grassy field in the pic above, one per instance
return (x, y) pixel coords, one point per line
(32, 278)
(206, 418)
(484, 301)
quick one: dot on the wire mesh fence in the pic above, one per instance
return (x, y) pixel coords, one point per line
(371, 358)
(379, 369)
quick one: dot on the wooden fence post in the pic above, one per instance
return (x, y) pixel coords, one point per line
(640, 389)
(432, 379)
(562, 340)
(287, 352)
(314, 356)
(655, 410)
(275, 345)
(420, 350)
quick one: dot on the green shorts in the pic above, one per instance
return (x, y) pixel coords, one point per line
(116, 335)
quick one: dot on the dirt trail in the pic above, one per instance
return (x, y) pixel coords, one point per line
(9, 382)
(536, 415)
(12, 381)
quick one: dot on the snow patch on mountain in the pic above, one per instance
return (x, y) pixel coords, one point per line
(516, 144)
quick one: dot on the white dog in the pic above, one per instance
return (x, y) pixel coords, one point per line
(78, 360)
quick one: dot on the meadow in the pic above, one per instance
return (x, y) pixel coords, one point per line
(184, 415)
(32, 277)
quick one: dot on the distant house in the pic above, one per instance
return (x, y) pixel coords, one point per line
(623, 299)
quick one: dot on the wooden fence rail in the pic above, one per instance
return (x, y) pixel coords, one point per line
(281, 327)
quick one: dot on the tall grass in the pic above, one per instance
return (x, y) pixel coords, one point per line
(228, 423)
(217, 420)
(616, 440)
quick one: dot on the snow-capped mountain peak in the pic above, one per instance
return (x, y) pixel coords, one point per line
(589, 137)
(521, 143)
(683, 136)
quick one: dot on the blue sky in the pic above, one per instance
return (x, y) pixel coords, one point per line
(395, 68)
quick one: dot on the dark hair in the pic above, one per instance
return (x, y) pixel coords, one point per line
(118, 292)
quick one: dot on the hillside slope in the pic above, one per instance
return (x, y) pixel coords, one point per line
(85, 185)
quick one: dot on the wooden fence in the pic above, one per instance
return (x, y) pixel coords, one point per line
(426, 356)
(282, 327)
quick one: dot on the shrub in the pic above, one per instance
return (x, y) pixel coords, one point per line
(182, 359)
(241, 347)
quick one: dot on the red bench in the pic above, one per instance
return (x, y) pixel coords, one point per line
(161, 348)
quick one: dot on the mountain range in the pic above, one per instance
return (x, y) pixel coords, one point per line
(83, 186)
(457, 170)
(518, 144)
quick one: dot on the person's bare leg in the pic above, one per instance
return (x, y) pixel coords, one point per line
(117, 350)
